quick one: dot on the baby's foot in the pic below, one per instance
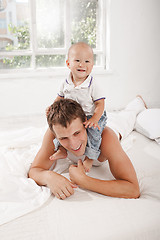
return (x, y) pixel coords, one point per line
(87, 164)
(60, 154)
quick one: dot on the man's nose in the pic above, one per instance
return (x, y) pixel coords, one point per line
(74, 143)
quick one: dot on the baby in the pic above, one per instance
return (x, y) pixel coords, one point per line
(83, 88)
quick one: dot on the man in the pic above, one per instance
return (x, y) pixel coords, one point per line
(66, 120)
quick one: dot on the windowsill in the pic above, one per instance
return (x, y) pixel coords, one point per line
(45, 72)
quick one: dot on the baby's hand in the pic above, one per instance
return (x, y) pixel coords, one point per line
(47, 111)
(91, 123)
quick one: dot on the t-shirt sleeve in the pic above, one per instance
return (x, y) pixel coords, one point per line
(61, 90)
(97, 91)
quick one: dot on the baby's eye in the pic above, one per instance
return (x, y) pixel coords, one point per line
(77, 60)
(87, 61)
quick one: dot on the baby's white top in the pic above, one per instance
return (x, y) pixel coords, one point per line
(86, 94)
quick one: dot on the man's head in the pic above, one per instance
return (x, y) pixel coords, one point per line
(63, 112)
(66, 119)
(80, 60)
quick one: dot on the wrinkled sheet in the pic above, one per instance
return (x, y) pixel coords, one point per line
(19, 194)
(85, 215)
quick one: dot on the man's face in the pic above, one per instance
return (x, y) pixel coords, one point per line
(73, 138)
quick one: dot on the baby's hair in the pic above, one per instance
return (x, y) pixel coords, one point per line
(82, 44)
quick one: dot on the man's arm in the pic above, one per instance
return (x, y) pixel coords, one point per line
(60, 186)
(125, 184)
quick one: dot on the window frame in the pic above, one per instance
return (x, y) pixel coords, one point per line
(34, 51)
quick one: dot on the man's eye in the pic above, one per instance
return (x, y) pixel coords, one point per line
(76, 133)
(63, 138)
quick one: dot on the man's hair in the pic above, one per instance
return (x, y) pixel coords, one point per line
(64, 111)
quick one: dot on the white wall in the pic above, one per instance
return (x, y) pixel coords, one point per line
(135, 50)
(134, 62)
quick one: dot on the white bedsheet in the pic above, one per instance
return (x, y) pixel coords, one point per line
(19, 194)
(85, 215)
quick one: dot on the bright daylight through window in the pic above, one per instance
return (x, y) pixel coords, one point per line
(37, 33)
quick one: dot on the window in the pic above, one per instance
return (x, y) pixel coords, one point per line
(3, 24)
(38, 33)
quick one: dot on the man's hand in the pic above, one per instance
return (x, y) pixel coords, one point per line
(60, 186)
(77, 173)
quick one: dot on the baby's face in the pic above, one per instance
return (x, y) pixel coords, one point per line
(80, 62)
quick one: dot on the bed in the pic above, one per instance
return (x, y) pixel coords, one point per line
(30, 212)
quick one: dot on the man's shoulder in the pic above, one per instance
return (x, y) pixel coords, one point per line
(110, 140)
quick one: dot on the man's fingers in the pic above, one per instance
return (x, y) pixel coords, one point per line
(57, 195)
(68, 191)
(73, 185)
(71, 166)
(62, 195)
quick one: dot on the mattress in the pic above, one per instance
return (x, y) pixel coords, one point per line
(38, 215)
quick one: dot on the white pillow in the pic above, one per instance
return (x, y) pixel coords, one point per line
(148, 123)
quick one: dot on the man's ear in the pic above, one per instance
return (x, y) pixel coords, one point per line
(67, 63)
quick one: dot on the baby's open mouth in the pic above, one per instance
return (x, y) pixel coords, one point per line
(80, 70)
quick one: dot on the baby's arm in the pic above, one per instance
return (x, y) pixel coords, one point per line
(58, 98)
(99, 109)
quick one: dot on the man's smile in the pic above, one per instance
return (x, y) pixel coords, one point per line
(78, 148)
